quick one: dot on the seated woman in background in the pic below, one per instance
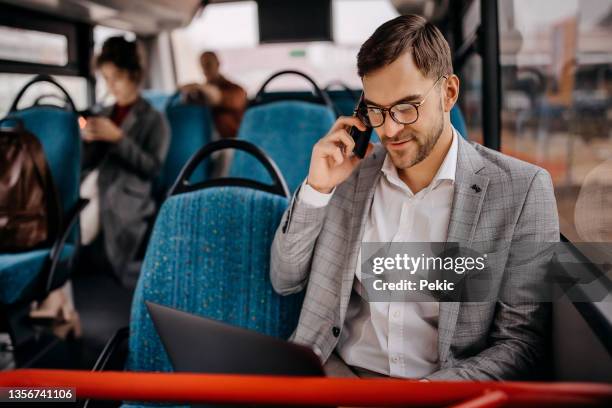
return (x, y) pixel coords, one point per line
(125, 147)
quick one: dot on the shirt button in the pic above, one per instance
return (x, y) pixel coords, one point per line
(336, 331)
(396, 314)
(395, 359)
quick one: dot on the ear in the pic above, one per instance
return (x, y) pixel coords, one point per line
(451, 92)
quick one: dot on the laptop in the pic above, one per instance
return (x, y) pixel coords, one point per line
(199, 344)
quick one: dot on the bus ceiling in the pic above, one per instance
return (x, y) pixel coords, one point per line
(143, 17)
(150, 17)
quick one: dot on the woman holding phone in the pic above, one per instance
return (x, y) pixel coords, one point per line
(125, 146)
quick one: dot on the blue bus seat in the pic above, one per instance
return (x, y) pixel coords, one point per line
(157, 99)
(58, 132)
(344, 99)
(286, 131)
(18, 271)
(191, 127)
(345, 105)
(458, 121)
(209, 255)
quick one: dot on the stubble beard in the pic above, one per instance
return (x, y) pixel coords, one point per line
(404, 159)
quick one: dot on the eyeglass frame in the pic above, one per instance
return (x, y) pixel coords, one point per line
(416, 105)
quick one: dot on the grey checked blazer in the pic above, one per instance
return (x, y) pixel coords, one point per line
(317, 248)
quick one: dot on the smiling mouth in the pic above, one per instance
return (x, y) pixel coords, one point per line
(399, 143)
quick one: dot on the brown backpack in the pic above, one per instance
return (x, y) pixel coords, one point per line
(30, 214)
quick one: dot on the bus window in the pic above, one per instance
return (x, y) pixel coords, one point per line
(245, 60)
(556, 62)
(36, 47)
(77, 87)
(33, 46)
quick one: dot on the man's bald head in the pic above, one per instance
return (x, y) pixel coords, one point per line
(210, 65)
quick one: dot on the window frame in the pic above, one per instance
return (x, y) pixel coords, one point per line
(488, 36)
(79, 38)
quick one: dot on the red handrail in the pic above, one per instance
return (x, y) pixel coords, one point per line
(489, 399)
(221, 388)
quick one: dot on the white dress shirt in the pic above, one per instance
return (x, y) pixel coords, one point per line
(399, 339)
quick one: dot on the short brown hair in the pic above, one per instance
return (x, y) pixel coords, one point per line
(411, 32)
(124, 54)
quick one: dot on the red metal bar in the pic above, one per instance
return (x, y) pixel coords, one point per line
(490, 399)
(221, 388)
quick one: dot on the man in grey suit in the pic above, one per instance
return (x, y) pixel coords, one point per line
(423, 183)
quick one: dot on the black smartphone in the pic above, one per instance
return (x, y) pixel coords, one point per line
(87, 113)
(361, 138)
(84, 115)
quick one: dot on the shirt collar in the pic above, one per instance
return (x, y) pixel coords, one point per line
(446, 171)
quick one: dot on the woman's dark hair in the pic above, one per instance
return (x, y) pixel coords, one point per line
(413, 33)
(123, 54)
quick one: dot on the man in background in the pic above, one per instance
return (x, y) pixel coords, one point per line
(226, 99)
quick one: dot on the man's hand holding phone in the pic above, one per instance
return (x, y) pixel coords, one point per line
(332, 159)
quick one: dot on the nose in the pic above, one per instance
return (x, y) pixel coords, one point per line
(114, 87)
(390, 128)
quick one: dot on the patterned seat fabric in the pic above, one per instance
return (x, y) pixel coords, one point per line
(209, 255)
(18, 271)
(286, 131)
(190, 130)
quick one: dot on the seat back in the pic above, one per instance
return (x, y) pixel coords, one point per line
(58, 132)
(343, 101)
(191, 129)
(456, 117)
(157, 99)
(317, 95)
(209, 255)
(286, 131)
(343, 97)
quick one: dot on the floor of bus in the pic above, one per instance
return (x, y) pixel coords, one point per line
(103, 306)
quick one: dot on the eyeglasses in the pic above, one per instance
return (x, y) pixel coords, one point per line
(404, 113)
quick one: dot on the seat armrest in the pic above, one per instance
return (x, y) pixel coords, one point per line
(112, 353)
(113, 350)
(60, 242)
